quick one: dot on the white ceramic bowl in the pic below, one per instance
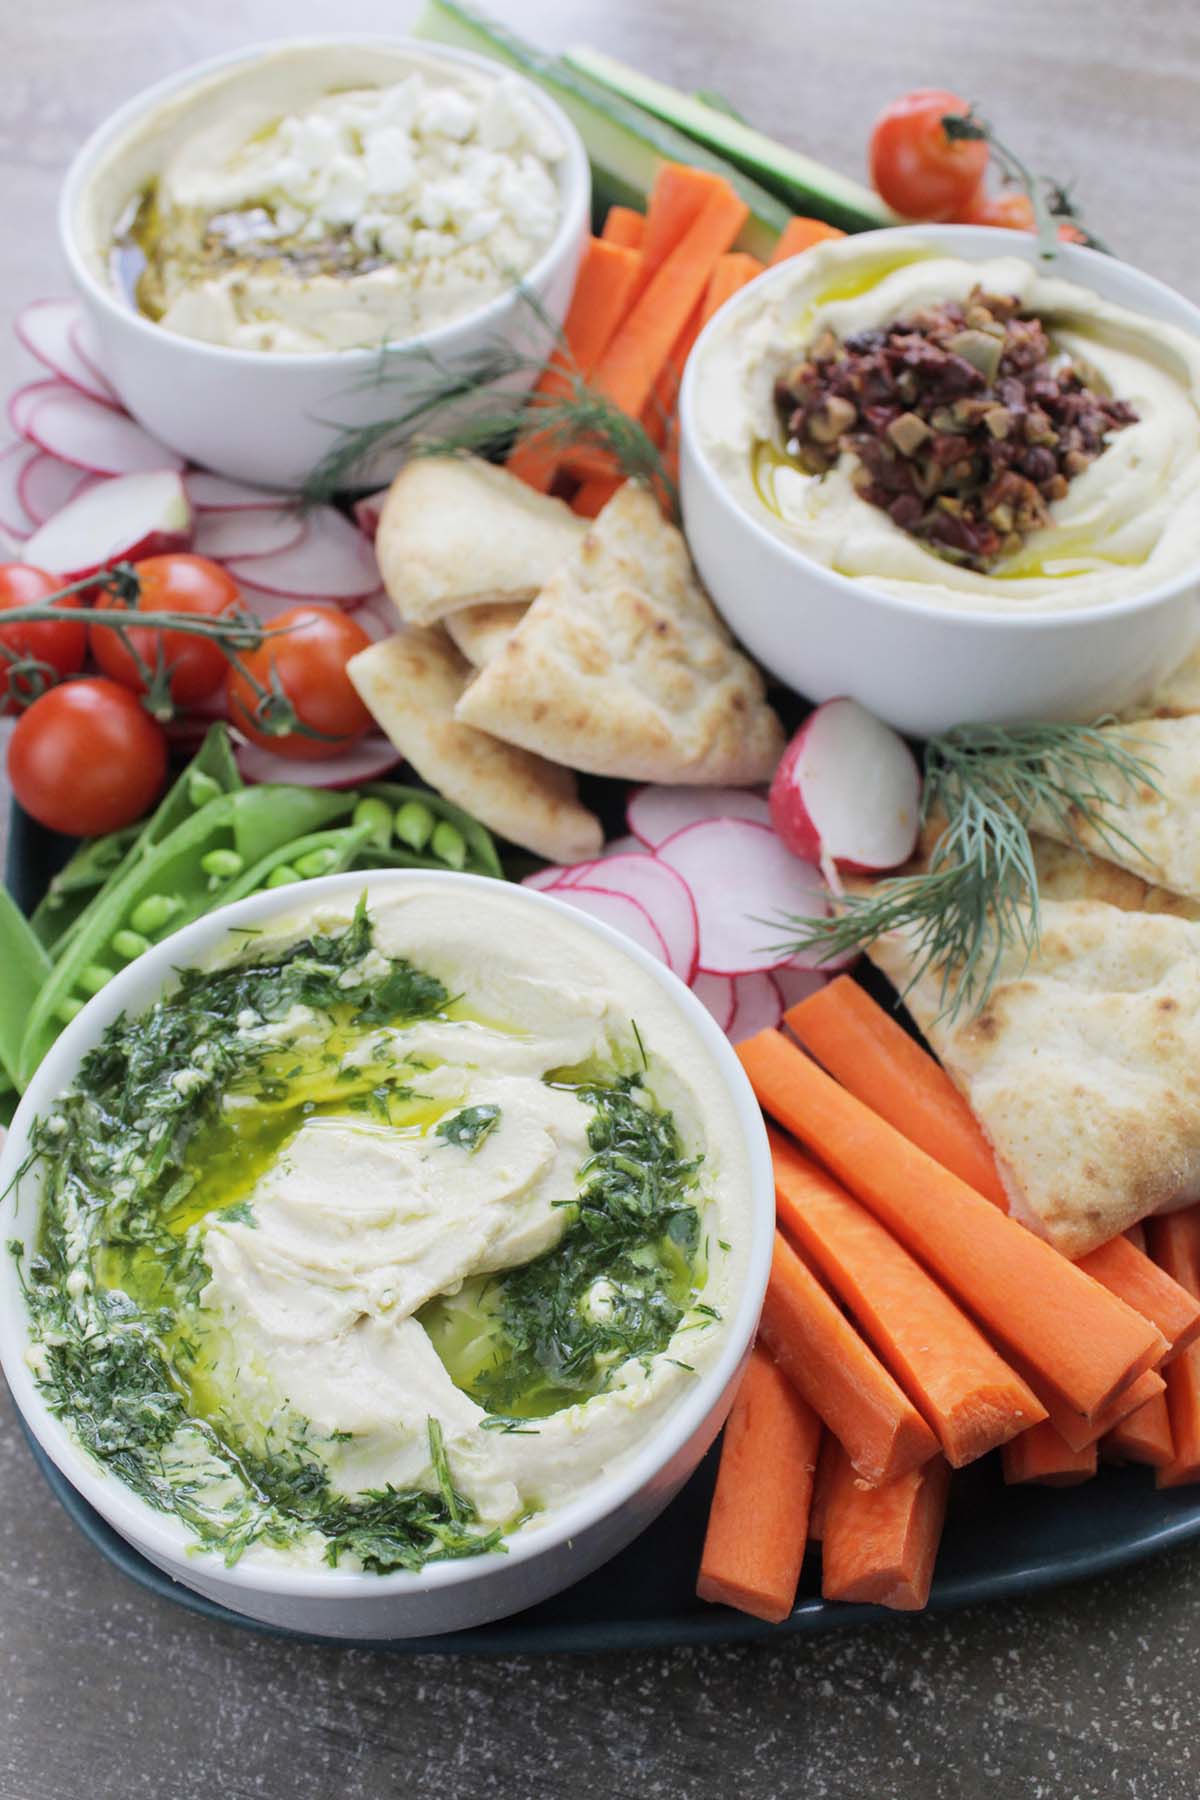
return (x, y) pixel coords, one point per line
(447, 1596)
(922, 667)
(258, 415)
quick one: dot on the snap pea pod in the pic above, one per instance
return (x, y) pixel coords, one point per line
(97, 866)
(262, 818)
(481, 856)
(26, 968)
(302, 859)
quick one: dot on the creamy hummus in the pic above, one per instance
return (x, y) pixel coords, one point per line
(1128, 523)
(307, 206)
(378, 1215)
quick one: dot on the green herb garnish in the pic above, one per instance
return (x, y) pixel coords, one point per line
(468, 1128)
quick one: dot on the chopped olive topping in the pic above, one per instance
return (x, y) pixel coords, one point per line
(964, 423)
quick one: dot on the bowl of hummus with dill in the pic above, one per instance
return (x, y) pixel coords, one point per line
(292, 214)
(380, 1265)
(951, 460)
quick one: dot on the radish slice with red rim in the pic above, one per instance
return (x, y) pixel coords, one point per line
(83, 342)
(218, 493)
(367, 760)
(23, 400)
(717, 993)
(46, 485)
(625, 846)
(666, 898)
(796, 985)
(49, 330)
(247, 533)
(14, 514)
(745, 884)
(333, 561)
(618, 910)
(656, 813)
(367, 511)
(758, 1006)
(92, 435)
(122, 520)
(848, 791)
(545, 879)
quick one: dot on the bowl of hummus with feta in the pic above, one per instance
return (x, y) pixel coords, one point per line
(931, 468)
(380, 1263)
(283, 237)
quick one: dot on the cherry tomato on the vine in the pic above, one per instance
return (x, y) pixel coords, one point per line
(179, 583)
(1010, 208)
(87, 758)
(35, 655)
(306, 663)
(916, 168)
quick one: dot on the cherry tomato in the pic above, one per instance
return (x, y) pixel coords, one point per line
(309, 666)
(176, 583)
(915, 166)
(58, 650)
(87, 758)
(1009, 208)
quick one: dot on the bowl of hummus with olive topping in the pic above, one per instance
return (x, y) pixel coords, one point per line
(277, 241)
(930, 468)
(381, 1262)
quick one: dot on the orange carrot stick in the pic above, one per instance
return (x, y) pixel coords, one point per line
(1144, 1437)
(677, 198)
(590, 500)
(1075, 1335)
(880, 1544)
(826, 1463)
(1043, 1457)
(966, 1392)
(870, 1053)
(1175, 1245)
(1129, 1273)
(823, 1356)
(801, 234)
(1079, 1433)
(758, 1523)
(732, 272)
(601, 298)
(625, 227)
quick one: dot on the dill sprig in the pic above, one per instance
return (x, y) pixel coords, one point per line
(475, 407)
(977, 897)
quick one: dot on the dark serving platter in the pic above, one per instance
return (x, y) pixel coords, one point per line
(999, 1541)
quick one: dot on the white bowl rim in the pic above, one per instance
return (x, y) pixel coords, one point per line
(160, 1536)
(575, 189)
(994, 238)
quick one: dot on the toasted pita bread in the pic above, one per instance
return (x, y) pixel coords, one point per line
(456, 530)
(1176, 695)
(481, 632)
(410, 684)
(621, 667)
(1083, 1068)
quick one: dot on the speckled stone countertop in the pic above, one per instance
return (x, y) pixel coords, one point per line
(1087, 1693)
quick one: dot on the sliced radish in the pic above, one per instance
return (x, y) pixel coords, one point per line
(549, 877)
(246, 532)
(364, 761)
(83, 342)
(116, 521)
(625, 846)
(333, 561)
(619, 911)
(758, 1006)
(664, 895)
(796, 985)
(46, 485)
(15, 516)
(217, 493)
(743, 882)
(23, 400)
(367, 511)
(718, 993)
(377, 616)
(848, 791)
(95, 436)
(656, 813)
(49, 330)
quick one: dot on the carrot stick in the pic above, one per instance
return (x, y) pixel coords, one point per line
(1041, 1456)
(880, 1544)
(758, 1523)
(1175, 1245)
(1079, 1433)
(876, 1060)
(1081, 1340)
(826, 1463)
(677, 198)
(1128, 1272)
(1144, 1437)
(625, 227)
(594, 495)
(965, 1391)
(801, 234)
(823, 1356)
(601, 298)
(732, 272)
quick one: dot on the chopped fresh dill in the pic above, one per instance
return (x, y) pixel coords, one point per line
(468, 1128)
